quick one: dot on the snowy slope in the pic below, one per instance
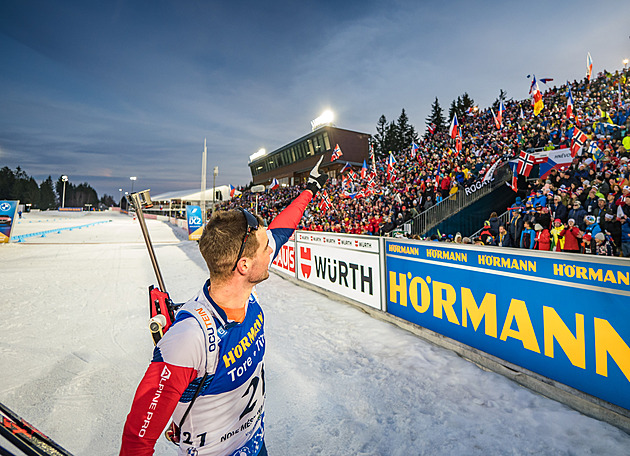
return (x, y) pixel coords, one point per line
(74, 344)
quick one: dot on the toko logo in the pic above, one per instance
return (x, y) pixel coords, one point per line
(305, 261)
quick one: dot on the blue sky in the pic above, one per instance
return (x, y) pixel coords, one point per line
(104, 90)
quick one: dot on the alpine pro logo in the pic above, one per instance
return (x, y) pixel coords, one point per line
(164, 376)
(305, 261)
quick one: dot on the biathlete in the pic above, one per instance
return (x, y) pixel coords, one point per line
(213, 355)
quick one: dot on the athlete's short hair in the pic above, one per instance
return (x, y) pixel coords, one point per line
(221, 241)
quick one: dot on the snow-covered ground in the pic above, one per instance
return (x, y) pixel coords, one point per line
(74, 344)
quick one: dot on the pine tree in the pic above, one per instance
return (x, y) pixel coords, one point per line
(379, 137)
(436, 117)
(502, 97)
(47, 194)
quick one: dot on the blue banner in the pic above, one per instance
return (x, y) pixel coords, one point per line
(7, 219)
(563, 316)
(195, 224)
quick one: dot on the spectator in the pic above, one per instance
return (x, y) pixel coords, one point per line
(543, 239)
(504, 239)
(602, 245)
(495, 222)
(571, 235)
(625, 235)
(486, 234)
(557, 240)
(578, 214)
(528, 236)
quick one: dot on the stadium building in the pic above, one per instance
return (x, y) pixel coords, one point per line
(291, 163)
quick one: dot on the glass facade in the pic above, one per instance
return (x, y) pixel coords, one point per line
(292, 153)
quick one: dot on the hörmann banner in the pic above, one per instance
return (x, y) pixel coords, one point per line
(344, 264)
(564, 316)
(285, 260)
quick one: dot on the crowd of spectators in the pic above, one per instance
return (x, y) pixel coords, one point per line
(582, 208)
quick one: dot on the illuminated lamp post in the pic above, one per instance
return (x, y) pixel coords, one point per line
(132, 179)
(63, 198)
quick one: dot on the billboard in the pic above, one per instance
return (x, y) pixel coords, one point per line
(345, 264)
(285, 260)
(195, 224)
(563, 316)
(8, 210)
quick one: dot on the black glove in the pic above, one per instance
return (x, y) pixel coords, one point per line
(316, 180)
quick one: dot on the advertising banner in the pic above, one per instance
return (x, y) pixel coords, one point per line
(285, 260)
(344, 264)
(195, 227)
(8, 210)
(563, 316)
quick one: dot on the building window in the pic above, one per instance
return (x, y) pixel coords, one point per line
(326, 141)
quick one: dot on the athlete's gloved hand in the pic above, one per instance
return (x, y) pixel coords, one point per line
(316, 180)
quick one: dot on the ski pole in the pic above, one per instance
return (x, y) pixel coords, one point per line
(138, 199)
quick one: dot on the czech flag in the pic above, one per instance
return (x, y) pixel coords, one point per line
(345, 167)
(232, 190)
(453, 130)
(414, 149)
(274, 184)
(569, 104)
(500, 114)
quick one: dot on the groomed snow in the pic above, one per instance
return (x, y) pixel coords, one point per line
(75, 343)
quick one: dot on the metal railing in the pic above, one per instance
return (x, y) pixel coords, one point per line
(458, 201)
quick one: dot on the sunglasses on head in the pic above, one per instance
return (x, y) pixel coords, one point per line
(252, 225)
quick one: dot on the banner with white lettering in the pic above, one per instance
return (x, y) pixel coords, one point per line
(563, 316)
(344, 264)
(285, 260)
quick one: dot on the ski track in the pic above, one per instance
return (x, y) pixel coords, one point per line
(75, 344)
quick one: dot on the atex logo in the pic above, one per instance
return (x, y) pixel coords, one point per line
(305, 261)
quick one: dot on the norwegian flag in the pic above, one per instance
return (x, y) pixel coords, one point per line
(352, 175)
(325, 203)
(526, 162)
(432, 128)
(569, 104)
(577, 141)
(274, 184)
(363, 170)
(391, 175)
(336, 153)
(453, 130)
(371, 183)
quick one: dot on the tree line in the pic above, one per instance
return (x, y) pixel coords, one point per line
(18, 185)
(399, 134)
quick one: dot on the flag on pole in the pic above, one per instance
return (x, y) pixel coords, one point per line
(488, 176)
(496, 123)
(500, 114)
(514, 185)
(589, 66)
(274, 184)
(432, 128)
(391, 172)
(364, 170)
(325, 203)
(546, 80)
(577, 141)
(414, 149)
(232, 190)
(453, 130)
(522, 116)
(569, 104)
(336, 153)
(537, 96)
(345, 167)
(595, 151)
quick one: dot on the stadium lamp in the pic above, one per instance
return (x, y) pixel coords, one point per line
(258, 154)
(132, 179)
(326, 118)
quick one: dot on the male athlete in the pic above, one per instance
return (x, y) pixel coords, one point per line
(213, 354)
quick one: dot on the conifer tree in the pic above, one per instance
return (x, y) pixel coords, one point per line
(436, 117)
